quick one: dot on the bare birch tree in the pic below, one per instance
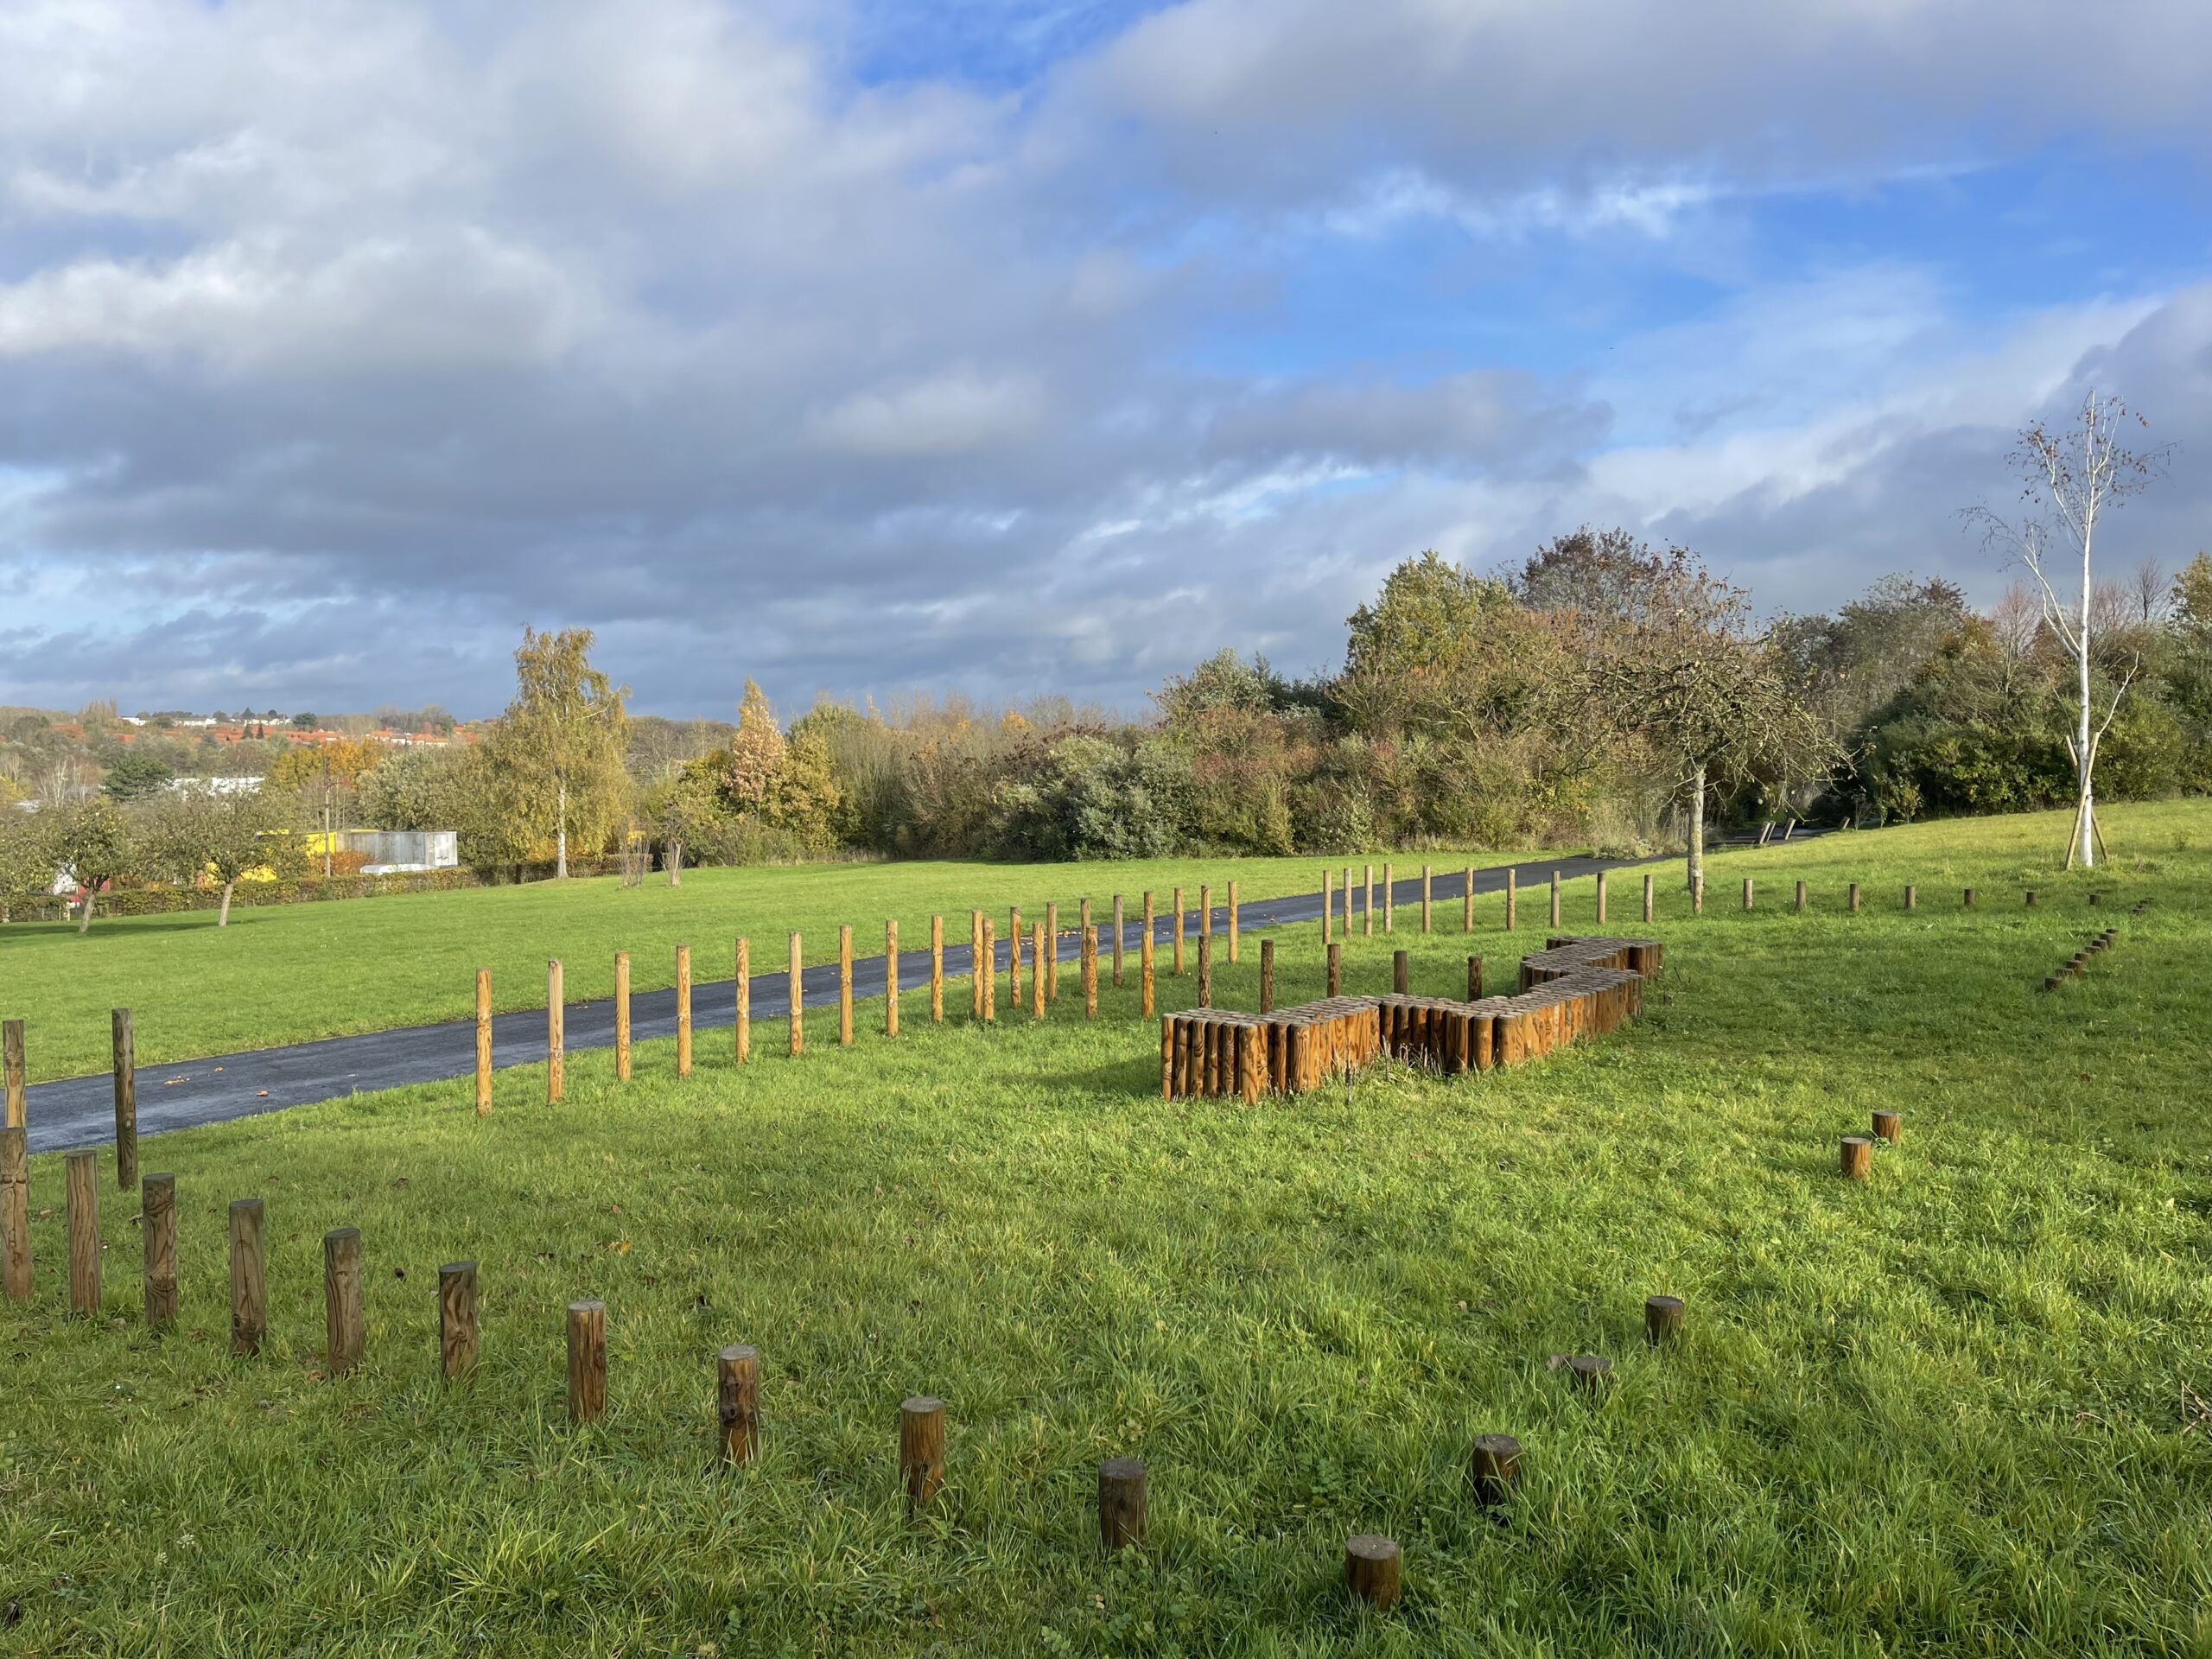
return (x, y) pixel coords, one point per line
(2070, 480)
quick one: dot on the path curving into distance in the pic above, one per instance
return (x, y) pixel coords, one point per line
(76, 1112)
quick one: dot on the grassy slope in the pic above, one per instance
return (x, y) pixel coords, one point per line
(286, 974)
(1955, 1409)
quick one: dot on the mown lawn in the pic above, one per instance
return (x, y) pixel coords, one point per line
(288, 974)
(1960, 1408)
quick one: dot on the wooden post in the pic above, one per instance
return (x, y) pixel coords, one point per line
(1348, 903)
(12, 1047)
(845, 986)
(975, 964)
(1036, 979)
(1858, 1157)
(342, 1336)
(1232, 921)
(1205, 931)
(1400, 970)
(737, 1400)
(1119, 930)
(1371, 1570)
(1911, 897)
(1592, 1373)
(1854, 898)
(622, 1016)
(936, 970)
(1425, 895)
(1467, 902)
(683, 1010)
(988, 968)
(1082, 918)
(483, 1042)
(81, 1190)
(1966, 898)
(1511, 897)
(1800, 897)
(795, 994)
(921, 1449)
(126, 1100)
(15, 1214)
(1889, 1126)
(1178, 933)
(1474, 979)
(1494, 1467)
(1121, 1504)
(1366, 903)
(1601, 898)
(1747, 893)
(588, 1359)
(1205, 970)
(1051, 958)
(157, 1221)
(553, 1043)
(249, 1283)
(1647, 897)
(1015, 936)
(1267, 975)
(1089, 972)
(1328, 915)
(456, 1319)
(891, 974)
(2030, 905)
(1662, 1320)
(1144, 960)
(1389, 898)
(1554, 897)
(1336, 968)
(744, 1036)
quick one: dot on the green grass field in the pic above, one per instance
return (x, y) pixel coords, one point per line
(1961, 1408)
(291, 973)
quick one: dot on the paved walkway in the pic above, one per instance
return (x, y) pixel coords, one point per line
(80, 1111)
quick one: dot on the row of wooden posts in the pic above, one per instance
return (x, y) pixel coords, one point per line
(1372, 1562)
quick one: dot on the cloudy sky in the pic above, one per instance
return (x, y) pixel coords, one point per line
(891, 345)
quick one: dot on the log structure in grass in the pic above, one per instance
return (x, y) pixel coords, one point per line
(622, 1016)
(737, 1400)
(1122, 1502)
(456, 1319)
(1144, 959)
(1965, 899)
(1206, 970)
(1427, 883)
(1036, 979)
(553, 1039)
(1494, 1467)
(1089, 972)
(249, 1278)
(587, 1361)
(1467, 901)
(742, 1038)
(1336, 970)
(1474, 979)
(1400, 971)
(921, 1450)
(14, 1213)
(936, 970)
(157, 1222)
(81, 1190)
(1554, 897)
(1911, 896)
(1662, 1320)
(342, 1313)
(795, 994)
(2031, 898)
(1512, 900)
(1747, 893)
(11, 1058)
(891, 977)
(1592, 1373)
(1858, 1157)
(1371, 1565)
(988, 966)
(1267, 975)
(1889, 1127)
(1853, 899)
(483, 1041)
(683, 1010)
(126, 1100)
(1014, 937)
(1800, 896)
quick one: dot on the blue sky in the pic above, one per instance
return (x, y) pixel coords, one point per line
(1020, 348)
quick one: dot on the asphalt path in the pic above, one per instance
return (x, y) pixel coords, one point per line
(77, 1112)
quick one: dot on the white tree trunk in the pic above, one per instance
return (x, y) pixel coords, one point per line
(2085, 812)
(561, 835)
(675, 863)
(91, 896)
(1697, 830)
(223, 911)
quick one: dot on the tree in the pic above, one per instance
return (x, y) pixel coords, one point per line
(92, 845)
(219, 833)
(558, 749)
(2070, 480)
(415, 789)
(135, 776)
(26, 861)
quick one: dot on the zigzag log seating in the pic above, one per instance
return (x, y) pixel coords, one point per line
(1574, 988)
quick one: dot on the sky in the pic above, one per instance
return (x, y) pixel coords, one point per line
(890, 347)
